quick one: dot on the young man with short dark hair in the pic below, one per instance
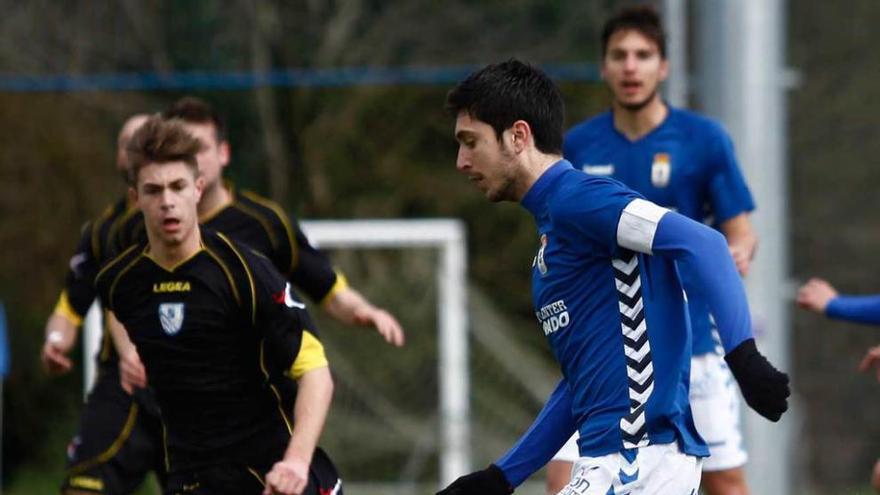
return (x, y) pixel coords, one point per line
(685, 162)
(608, 298)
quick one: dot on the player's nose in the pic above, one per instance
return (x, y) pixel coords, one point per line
(462, 161)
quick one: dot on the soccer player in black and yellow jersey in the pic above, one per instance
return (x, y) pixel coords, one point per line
(214, 322)
(262, 224)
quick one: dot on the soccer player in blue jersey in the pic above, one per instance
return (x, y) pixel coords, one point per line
(608, 298)
(685, 162)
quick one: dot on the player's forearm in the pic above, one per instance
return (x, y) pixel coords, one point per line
(553, 426)
(859, 309)
(345, 304)
(740, 235)
(118, 335)
(314, 394)
(703, 253)
(59, 328)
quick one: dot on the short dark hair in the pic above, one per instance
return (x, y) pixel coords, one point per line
(500, 94)
(194, 110)
(161, 140)
(641, 18)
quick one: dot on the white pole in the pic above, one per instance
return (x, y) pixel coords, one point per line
(675, 20)
(744, 82)
(453, 362)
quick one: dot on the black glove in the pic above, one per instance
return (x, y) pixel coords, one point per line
(764, 387)
(490, 481)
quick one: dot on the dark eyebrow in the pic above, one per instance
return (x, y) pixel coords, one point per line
(463, 133)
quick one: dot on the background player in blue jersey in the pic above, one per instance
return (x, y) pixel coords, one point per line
(685, 162)
(608, 298)
(819, 296)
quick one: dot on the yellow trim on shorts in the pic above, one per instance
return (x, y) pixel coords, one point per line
(64, 309)
(311, 356)
(340, 285)
(87, 483)
(114, 447)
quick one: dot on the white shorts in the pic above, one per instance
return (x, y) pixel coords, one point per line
(652, 470)
(715, 404)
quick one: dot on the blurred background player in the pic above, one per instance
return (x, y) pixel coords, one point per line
(119, 437)
(215, 322)
(819, 296)
(685, 162)
(623, 345)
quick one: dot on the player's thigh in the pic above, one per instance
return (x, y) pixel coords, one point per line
(715, 404)
(115, 446)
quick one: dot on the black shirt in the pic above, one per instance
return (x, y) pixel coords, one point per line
(213, 334)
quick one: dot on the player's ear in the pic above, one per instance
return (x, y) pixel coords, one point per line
(520, 134)
(132, 194)
(200, 187)
(225, 152)
(664, 68)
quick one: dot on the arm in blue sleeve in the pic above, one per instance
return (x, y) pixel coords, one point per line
(702, 252)
(860, 309)
(553, 426)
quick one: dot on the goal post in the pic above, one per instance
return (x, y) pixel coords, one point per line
(447, 236)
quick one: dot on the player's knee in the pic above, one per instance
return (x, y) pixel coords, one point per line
(558, 475)
(725, 482)
(875, 477)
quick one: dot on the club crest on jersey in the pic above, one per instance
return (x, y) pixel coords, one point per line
(286, 298)
(171, 317)
(539, 260)
(661, 170)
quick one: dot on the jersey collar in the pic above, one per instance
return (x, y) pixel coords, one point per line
(534, 198)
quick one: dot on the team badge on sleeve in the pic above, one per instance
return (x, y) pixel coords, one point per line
(542, 266)
(286, 298)
(171, 317)
(661, 170)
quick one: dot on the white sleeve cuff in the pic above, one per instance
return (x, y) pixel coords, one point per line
(638, 224)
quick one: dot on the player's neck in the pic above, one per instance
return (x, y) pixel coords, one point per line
(214, 199)
(170, 256)
(535, 166)
(636, 124)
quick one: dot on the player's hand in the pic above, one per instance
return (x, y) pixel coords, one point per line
(287, 477)
(742, 258)
(815, 295)
(132, 373)
(764, 388)
(54, 353)
(871, 360)
(489, 481)
(383, 322)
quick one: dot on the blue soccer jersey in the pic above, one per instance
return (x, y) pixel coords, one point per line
(615, 318)
(686, 164)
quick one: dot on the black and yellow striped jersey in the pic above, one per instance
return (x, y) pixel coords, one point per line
(214, 333)
(261, 224)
